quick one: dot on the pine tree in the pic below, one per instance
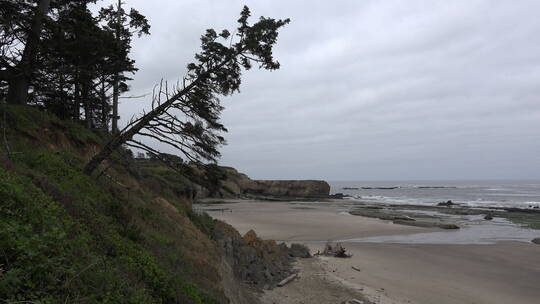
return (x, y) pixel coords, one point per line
(123, 25)
(187, 118)
(79, 59)
(18, 75)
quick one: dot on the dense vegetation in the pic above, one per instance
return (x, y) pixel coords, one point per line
(71, 62)
(66, 237)
(125, 233)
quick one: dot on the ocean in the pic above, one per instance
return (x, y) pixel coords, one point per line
(500, 193)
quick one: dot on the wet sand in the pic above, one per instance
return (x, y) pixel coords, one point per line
(505, 272)
(300, 222)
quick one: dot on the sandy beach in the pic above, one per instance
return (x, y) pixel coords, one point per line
(505, 272)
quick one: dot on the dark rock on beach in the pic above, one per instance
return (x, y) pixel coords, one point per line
(536, 241)
(299, 251)
(254, 261)
(338, 195)
(488, 217)
(427, 224)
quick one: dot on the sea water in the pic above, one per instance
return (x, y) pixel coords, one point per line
(474, 230)
(520, 194)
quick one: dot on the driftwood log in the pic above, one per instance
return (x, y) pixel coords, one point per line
(336, 250)
(287, 280)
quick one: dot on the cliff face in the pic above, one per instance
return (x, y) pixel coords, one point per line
(238, 184)
(295, 188)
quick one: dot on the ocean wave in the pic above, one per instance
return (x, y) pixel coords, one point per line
(374, 199)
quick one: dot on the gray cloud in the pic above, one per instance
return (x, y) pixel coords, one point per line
(370, 89)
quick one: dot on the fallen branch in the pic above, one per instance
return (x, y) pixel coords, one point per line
(337, 251)
(287, 280)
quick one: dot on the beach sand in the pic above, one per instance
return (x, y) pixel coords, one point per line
(505, 272)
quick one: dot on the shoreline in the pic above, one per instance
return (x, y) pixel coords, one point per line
(390, 273)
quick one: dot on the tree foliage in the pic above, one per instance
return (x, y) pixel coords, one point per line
(186, 117)
(77, 60)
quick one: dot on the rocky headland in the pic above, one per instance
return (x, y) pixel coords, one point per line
(238, 185)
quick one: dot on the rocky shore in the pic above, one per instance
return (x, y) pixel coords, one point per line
(434, 216)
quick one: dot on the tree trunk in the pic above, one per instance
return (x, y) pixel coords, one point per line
(20, 82)
(18, 89)
(115, 105)
(87, 105)
(122, 137)
(76, 102)
(116, 80)
(104, 106)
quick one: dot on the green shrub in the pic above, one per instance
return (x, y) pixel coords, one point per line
(69, 238)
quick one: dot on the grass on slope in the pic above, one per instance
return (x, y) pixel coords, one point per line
(69, 238)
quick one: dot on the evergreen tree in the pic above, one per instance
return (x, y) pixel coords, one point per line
(80, 57)
(18, 69)
(123, 25)
(187, 118)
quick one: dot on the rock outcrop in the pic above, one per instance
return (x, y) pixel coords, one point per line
(447, 204)
(299, 251)
(294, 188)
(259, 263)
(237, 184)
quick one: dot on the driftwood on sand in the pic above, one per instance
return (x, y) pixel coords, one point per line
(336, 250)
(287, 280)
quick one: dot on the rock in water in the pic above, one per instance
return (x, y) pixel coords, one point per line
(536, 241)
(488, 217)
(448, 204)
(338, 195)
(299, 251)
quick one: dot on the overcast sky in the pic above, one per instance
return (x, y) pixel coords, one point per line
(369, 90)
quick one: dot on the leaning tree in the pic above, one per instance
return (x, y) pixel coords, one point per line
(187, 116)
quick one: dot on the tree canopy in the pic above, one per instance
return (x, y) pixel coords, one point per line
(186, 117)
(75, 59)
(58, 56)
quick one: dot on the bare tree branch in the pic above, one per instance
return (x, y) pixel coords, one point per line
(217, 72)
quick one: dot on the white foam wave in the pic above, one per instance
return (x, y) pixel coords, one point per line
(374, 199)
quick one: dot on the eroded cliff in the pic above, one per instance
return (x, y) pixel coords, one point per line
(236, 184)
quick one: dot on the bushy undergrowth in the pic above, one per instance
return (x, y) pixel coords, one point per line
(69, 238)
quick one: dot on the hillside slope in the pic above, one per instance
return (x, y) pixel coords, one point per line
(125, 236)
